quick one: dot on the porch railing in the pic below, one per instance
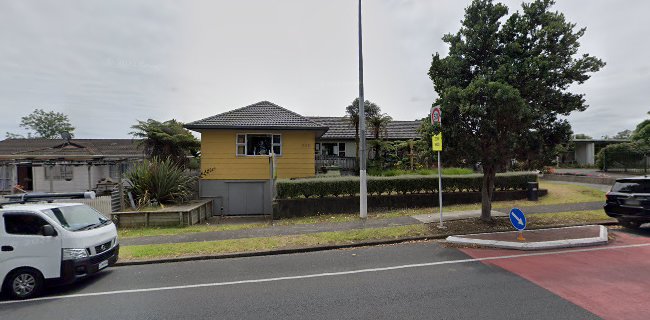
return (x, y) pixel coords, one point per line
(345, 163)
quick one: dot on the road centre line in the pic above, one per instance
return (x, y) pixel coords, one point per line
(326, 274)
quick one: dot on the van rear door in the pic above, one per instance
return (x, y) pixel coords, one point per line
(24, 245)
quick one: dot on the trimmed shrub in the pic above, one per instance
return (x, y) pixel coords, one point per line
(349, 186)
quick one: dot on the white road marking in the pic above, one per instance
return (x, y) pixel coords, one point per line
(327, 274)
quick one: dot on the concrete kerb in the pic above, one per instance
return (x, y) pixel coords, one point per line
(601, 239)
(304, 249)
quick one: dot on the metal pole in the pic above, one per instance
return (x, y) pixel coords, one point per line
(120, 188)
(363, 192)
(440, 190)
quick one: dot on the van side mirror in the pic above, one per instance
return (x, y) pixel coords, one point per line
(48, 231)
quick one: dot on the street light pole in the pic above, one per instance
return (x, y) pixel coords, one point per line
(363, 192)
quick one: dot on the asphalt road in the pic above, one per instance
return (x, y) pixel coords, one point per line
(421, 280)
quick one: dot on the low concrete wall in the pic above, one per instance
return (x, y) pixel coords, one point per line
(191, 213)
(582, 179)
(287, 208)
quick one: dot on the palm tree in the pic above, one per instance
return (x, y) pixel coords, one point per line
(379, 123)
(166, 139)
(352, 114)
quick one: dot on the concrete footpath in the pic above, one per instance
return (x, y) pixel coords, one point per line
(271, 230)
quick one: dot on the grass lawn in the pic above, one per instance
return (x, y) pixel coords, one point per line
(557, 194)
(144, 252)
(168, 231)
(261, 244)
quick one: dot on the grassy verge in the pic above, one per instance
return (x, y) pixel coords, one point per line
(261, 244)
(125, 233)
(144, 252)
(557, 194)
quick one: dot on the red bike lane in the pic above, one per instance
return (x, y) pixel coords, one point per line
(612, 281)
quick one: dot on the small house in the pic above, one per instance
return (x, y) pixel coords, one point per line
(64, 165)
(244, 149)
(338, 147)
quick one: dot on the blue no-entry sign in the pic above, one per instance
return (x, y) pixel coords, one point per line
(517, 219)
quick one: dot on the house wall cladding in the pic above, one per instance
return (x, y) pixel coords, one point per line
(7, 177)
(79, 180)
(218, 152)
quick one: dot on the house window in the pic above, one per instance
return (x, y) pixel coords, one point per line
(342, 149)
(114, 169)
(334, 149)
(317, 146)
(58, 172)
(255, 144)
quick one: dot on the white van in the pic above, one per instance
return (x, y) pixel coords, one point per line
(52, 243)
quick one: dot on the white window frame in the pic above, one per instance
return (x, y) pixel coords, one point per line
(245, 144)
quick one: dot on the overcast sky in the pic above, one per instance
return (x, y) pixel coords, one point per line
(108, 63)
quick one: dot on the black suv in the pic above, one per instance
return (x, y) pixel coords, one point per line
(629, 201)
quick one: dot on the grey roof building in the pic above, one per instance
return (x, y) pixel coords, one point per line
(340, 128)
(78, 149)
(56, 165)
(263, 115)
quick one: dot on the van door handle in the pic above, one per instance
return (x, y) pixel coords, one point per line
(7, 248)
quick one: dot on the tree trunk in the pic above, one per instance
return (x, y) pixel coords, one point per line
(487, 191)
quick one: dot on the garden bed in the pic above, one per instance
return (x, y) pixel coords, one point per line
(190, 213)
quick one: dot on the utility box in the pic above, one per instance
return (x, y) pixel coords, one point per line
(533, 188)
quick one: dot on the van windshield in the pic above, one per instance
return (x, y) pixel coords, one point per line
(77, 218)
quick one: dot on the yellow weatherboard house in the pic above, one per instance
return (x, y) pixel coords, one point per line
(241, 149)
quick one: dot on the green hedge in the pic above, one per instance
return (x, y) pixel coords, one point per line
(349, 186)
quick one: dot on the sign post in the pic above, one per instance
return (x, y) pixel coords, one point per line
(436, 145)
(518, 220)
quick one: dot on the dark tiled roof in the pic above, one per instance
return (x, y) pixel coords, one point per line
(341, 128)
(77, 148)
(261, 115)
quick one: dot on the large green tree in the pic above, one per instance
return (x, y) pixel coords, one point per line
(167, 139)
(504, 83)
(642, 132)
(44, 124)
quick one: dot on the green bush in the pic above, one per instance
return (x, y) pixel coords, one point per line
(622, 155)
(349, 186)
(400, 172)
(161, 180)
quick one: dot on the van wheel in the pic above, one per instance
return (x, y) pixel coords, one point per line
(24, 283)
(629, 224)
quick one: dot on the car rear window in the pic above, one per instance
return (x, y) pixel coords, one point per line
(642, 186)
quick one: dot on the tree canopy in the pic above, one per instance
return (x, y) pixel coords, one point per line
(167, 139)
(504, 84)
(44, 124)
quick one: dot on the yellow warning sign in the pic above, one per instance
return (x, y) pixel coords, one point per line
(436, 142)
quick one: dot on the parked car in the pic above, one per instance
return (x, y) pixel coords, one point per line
(629, 201)
(51, 243)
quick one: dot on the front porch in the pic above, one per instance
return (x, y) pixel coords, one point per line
(344, 163)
